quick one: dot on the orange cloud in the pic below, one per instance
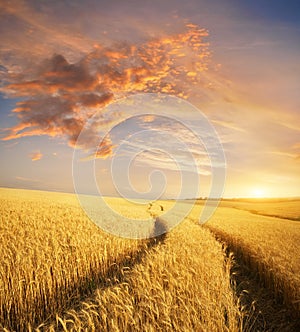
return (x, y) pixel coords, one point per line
(60, 96)
(36, 155)
(105, 148)
(148, 118)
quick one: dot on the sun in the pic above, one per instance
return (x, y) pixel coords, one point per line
(258, 193)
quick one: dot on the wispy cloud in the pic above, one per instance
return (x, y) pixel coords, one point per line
(229, 125)
(25, 179)
(179, 161)
(37, 155)
(164, 143)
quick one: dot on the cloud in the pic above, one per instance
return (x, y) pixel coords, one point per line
(292, 152)
(175, 132)
(166, 144)
(179, 161)
(105, 148)
(24, 179)
(229, 125)
(57, 97)
(37, 155)
(31, 30)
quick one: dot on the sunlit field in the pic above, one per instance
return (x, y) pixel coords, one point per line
(288, 208)
(269, 246)
(60, 272)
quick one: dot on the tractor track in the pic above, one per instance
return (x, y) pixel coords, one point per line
(261, 308)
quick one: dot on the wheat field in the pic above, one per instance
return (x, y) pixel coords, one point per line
(271, 247)
(60, 272)
(288, 208)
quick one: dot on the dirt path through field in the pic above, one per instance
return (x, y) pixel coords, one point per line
(261, 309)
(120, 270)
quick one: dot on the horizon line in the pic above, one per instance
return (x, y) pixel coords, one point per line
(179, 199)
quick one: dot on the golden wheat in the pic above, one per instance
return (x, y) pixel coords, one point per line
(180, 284)
(58, 271)
(288, 208)
(269, 246)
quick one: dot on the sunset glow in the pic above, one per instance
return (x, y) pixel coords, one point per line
(258, 193)
(237, 62)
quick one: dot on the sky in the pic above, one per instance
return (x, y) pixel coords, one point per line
(72, 73)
